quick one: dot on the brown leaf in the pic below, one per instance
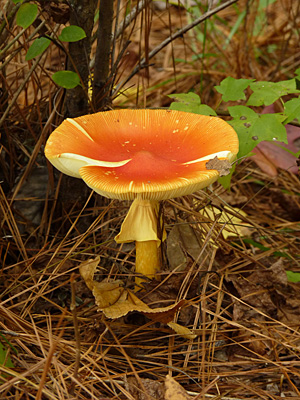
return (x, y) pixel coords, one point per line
(145, 389)
(269, 293)
(174, 391)
(181, 242)
(116, 301)
(106, 293)
(222, 166)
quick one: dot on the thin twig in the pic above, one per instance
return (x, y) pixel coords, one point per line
(142, 64)
(49, 357)
(26, 79)
(127, 21)
(77, 336)
(130, 17)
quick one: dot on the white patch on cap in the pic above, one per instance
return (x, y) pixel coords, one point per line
(220, 154)
(80, 128)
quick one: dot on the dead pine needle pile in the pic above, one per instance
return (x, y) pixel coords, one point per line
(221, 318)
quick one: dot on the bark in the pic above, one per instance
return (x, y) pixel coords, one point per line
(82, 14)
(101, 85)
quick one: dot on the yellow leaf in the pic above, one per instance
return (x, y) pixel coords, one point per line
(231, 226)
(182, 330)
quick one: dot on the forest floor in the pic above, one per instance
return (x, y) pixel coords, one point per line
(228, 259)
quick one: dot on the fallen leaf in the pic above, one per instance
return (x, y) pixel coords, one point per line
(174, 391)
(182, 330)
(289, 204)
(106, 293)
(183, 241)
(144, 388)
(272, 155)
(222, 166)
(117, 301)
(268, 292)
(231, 225)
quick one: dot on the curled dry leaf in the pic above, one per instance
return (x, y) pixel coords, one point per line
(222, 166)
(116, 301)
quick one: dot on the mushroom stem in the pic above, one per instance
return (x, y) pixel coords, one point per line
(147, 260)
(140, 226)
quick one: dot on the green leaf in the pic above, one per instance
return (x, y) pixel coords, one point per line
(292, 110)
(72, 33)
(26, 14)
(293, 276)
(37, 48)
(17, 1)
(190, 102)
(66, 79)
(4, 358)
(226, 180)
(235, 27)
(203, 109)
(266, 93)
(264, 4)
(264, 248)
(233, 89)
(297, 73)
(253, 128)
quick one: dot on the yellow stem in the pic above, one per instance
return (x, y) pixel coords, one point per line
(147, 260)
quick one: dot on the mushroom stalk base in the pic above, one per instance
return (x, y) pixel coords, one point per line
(147, 260)
(140, 226)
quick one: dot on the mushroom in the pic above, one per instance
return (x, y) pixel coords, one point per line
(145, 156)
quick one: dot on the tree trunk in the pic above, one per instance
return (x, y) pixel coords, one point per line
(102, 60)
(82, 14)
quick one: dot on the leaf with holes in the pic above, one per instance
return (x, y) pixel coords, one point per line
(266, 93)
(253, 128)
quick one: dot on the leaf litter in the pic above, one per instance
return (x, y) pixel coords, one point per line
(234, 296)
(240, 311)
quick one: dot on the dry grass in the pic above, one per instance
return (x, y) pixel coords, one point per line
(245, 314)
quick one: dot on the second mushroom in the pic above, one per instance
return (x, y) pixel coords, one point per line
(145, 156)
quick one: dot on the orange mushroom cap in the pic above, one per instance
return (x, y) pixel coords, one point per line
(150, 154)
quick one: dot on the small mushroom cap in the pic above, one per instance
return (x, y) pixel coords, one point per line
(150, 154)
